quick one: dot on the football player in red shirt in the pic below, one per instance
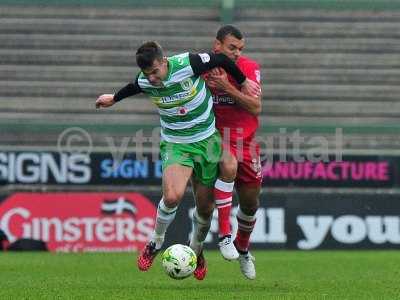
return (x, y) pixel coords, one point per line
(237, 120)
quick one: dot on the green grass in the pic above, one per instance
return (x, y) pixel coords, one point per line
(280, 275)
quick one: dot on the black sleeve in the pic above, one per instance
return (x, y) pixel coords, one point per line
(206, 61)
(129, 90)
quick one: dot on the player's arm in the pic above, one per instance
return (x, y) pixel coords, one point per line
(130, 89)
(250, 102)
(204, 62)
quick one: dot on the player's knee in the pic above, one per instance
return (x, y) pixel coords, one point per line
(172, 199)
(228, 169)
(250, 207)
(249, 211)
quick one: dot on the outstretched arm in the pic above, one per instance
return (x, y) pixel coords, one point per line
(107, 100)
(204, 62)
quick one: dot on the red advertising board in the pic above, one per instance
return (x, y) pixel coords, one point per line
(76, 222)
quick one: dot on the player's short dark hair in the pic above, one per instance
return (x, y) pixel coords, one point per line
(148, 53)
(228, 30)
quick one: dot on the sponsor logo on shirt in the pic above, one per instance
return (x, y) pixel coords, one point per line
(173, 98)
(223, 100)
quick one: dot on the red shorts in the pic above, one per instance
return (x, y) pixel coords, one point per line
(249, 163)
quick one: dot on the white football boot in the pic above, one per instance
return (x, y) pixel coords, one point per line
(227, 248)
(247, 267)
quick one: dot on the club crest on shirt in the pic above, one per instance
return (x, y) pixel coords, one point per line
(258, 75)
(256, 166)
(187, 84)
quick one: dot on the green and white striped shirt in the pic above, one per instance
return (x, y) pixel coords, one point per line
(184, 102)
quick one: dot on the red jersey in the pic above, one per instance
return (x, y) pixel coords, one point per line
(229, 115)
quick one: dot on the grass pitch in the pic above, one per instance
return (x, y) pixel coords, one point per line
(280, 275)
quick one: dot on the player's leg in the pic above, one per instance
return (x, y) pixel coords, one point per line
(246, 217)
(248, 186)
(175, 178)
(223, 198)
(205, 171)
(202, 216)
(177, 170)
(174, 182)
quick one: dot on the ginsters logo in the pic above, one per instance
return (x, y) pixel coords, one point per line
(76, 222)
(118, 207)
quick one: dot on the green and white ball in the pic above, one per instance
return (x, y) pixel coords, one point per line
(179, 261)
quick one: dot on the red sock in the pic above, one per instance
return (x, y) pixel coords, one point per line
(223, 200)
(245, 228)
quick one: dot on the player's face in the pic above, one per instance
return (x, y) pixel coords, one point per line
(157, 72)
(230, 46)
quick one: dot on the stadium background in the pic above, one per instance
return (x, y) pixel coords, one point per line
(330, 72)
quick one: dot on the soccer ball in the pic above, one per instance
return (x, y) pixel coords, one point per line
(179, 261)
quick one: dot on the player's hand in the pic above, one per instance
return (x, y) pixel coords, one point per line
(219, 79)
(251, 87)
(211, 83)
(216, 71)
(105, 100)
